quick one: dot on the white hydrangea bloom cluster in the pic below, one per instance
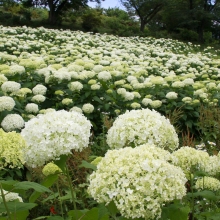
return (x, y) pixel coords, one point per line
(10, 86)
(32, 108)
(53, 134)
(156, 104)
(207, 182)
(12, 122)
(38, 98)
(104, 75)
(171, 95)
(87, 108)
(191, 159)
(137, 127)
(17, 69)
(75, 86)
(39, 90)
(67, 101)
(10, 196)
(76, 109)
(6, 103)
(138, 180)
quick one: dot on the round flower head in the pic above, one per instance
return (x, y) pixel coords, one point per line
(88, 108)
(53, 134)
(38, 98)
(142, 126)
(6, 103)
(11, 146)
(67, 101)
(10, 86)
(104, 75)
(12, 122)
(75, 86)
(32, 108)
(50, 169)
(10, 196)
(155, 104)
(209, 183)
(39, 90)
(171, 95)
(138, 180)
(190, 159)
(76, 109)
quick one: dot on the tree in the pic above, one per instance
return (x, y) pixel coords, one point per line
(196, 16)
(144, 9)
(57, 7)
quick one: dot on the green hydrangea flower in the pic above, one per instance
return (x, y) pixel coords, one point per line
(51, 169)
(11, 145)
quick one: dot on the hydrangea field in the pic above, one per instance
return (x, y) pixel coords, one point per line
(101, 127)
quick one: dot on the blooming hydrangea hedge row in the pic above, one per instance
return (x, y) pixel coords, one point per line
(42, 69)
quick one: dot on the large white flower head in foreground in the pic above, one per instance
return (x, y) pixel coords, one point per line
(138, 127)
(53, 134)
(138, 180)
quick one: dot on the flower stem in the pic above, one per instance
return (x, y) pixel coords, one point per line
(5, 203)
(61, 205)
(71, 187)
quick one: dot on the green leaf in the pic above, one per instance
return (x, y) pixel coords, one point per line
(76, 214)
(61, 163)
(25, 185)
(87, 165)
(22, 215)
(175, 211)
(17, 206)
(47, 182)
(55, 218)
(96, 98)
(112, 208)
(91, 214)
(206, 194)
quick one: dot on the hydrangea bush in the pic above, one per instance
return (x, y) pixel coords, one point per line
(137, 127)
(138, 180)
(53, 134)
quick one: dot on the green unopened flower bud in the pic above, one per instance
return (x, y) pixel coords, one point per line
(51, 169)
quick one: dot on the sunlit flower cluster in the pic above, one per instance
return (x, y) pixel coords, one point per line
(11, 146)
(137, 127)
(138, 180)
(56, 133)
(209, 183)
(12, 122)
(50, 169)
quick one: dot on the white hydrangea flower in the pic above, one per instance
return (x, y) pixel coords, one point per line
(146, 101)
(95, 87)
(17, 69)
(138, 180)
(135, 105)
(190, 159)
(10, 86)
(178, 84)
(6, 103)
(12, 122)
(39, 90)
(54, 134)
(188, 81)
(209, 183)
(88, 108)
(121, 91)
(11, 196)
(38, 98)
(171, 95)
(142, 126)
(76, 109)
(32, 108)
(187, 100)
(67, 101)
(128, 96)
(75, 86)
(104, 75)
(155, 103)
